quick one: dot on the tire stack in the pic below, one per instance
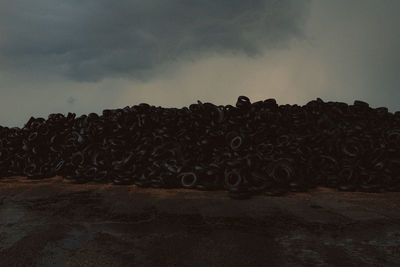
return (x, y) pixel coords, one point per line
(246, 149)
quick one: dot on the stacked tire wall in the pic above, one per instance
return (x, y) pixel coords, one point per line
(246, 149)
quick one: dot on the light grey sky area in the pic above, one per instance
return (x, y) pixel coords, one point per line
(85, 56)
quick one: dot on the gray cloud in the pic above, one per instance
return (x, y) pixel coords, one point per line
(171, 53)
(357, 46)
(93, 39)
(71, 100)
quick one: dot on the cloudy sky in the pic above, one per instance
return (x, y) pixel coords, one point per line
(85, 56)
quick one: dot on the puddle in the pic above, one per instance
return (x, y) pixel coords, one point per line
(10, 214)
(14, 226)
(297, 244)
(122, 231)
(57, 253)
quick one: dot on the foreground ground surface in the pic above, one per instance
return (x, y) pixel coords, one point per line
(53, 223)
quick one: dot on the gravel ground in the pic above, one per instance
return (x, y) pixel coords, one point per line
(54, 223)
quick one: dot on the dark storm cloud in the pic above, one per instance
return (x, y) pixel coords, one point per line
(183, 51)
(93, 39)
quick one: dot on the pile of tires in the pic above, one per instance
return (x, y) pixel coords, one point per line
(246, 149)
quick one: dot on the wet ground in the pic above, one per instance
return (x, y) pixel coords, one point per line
(53, 223)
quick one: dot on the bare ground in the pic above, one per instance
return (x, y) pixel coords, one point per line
(54, 223)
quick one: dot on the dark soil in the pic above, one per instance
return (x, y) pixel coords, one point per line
(54, 223)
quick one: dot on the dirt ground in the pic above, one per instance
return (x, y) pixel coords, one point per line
(54, 223)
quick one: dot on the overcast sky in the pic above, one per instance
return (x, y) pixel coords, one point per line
(85, 56)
